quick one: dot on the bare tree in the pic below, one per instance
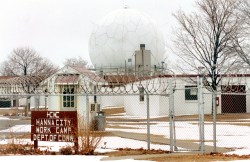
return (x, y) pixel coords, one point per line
(26, 61)
(29, 68)
(245, 8)
(204, 39)
(242, 39)
(76, 61)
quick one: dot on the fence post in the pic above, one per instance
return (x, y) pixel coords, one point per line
(148, 123)
(214, 120)
(46, 102)
(87, 118)
(87, 110)
(37, 101)
(27, 108)
(201, 113)
(171, 115)
(17, 105)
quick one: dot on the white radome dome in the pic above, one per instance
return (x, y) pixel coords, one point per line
(119, 34)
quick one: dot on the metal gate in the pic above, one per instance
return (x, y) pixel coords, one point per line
(192, 125)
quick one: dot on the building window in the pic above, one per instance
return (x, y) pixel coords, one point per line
(68, 99)
(191, 93)
(5, 102)
(141, 91)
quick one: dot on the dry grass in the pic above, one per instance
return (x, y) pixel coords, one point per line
(197, 157)
(88, 138)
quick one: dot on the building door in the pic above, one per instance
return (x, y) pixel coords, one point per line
(14, 103)
(233, 99)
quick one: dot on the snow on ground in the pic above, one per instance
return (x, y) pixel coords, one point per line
(61, 158)
(229, 136)
(107, 142)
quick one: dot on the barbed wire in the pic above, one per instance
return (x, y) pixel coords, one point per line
(89, 83)
(20, 84)
(108, 83)
(229, 83)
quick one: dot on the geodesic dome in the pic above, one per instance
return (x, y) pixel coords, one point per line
(116, 37)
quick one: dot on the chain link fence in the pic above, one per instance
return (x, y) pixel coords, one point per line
(164, 113)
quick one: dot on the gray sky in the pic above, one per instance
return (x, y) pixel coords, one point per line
(60, 29)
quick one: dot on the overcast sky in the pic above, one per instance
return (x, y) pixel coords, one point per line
(60, 29)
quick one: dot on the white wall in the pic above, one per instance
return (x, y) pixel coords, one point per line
(164, 105)
(36, 101)
(154, 105)
(22, 101)
(134, 107)
(53, 103)
(82, 107)
(107, 101)
(182, 106)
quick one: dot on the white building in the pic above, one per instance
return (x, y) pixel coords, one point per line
(74, 88)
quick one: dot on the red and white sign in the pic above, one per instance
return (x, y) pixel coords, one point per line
(54, 126)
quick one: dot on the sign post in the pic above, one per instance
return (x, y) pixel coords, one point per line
(54, 126)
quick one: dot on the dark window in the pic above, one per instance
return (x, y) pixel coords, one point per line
(5, 103)
(191, 92)
(68, 99)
